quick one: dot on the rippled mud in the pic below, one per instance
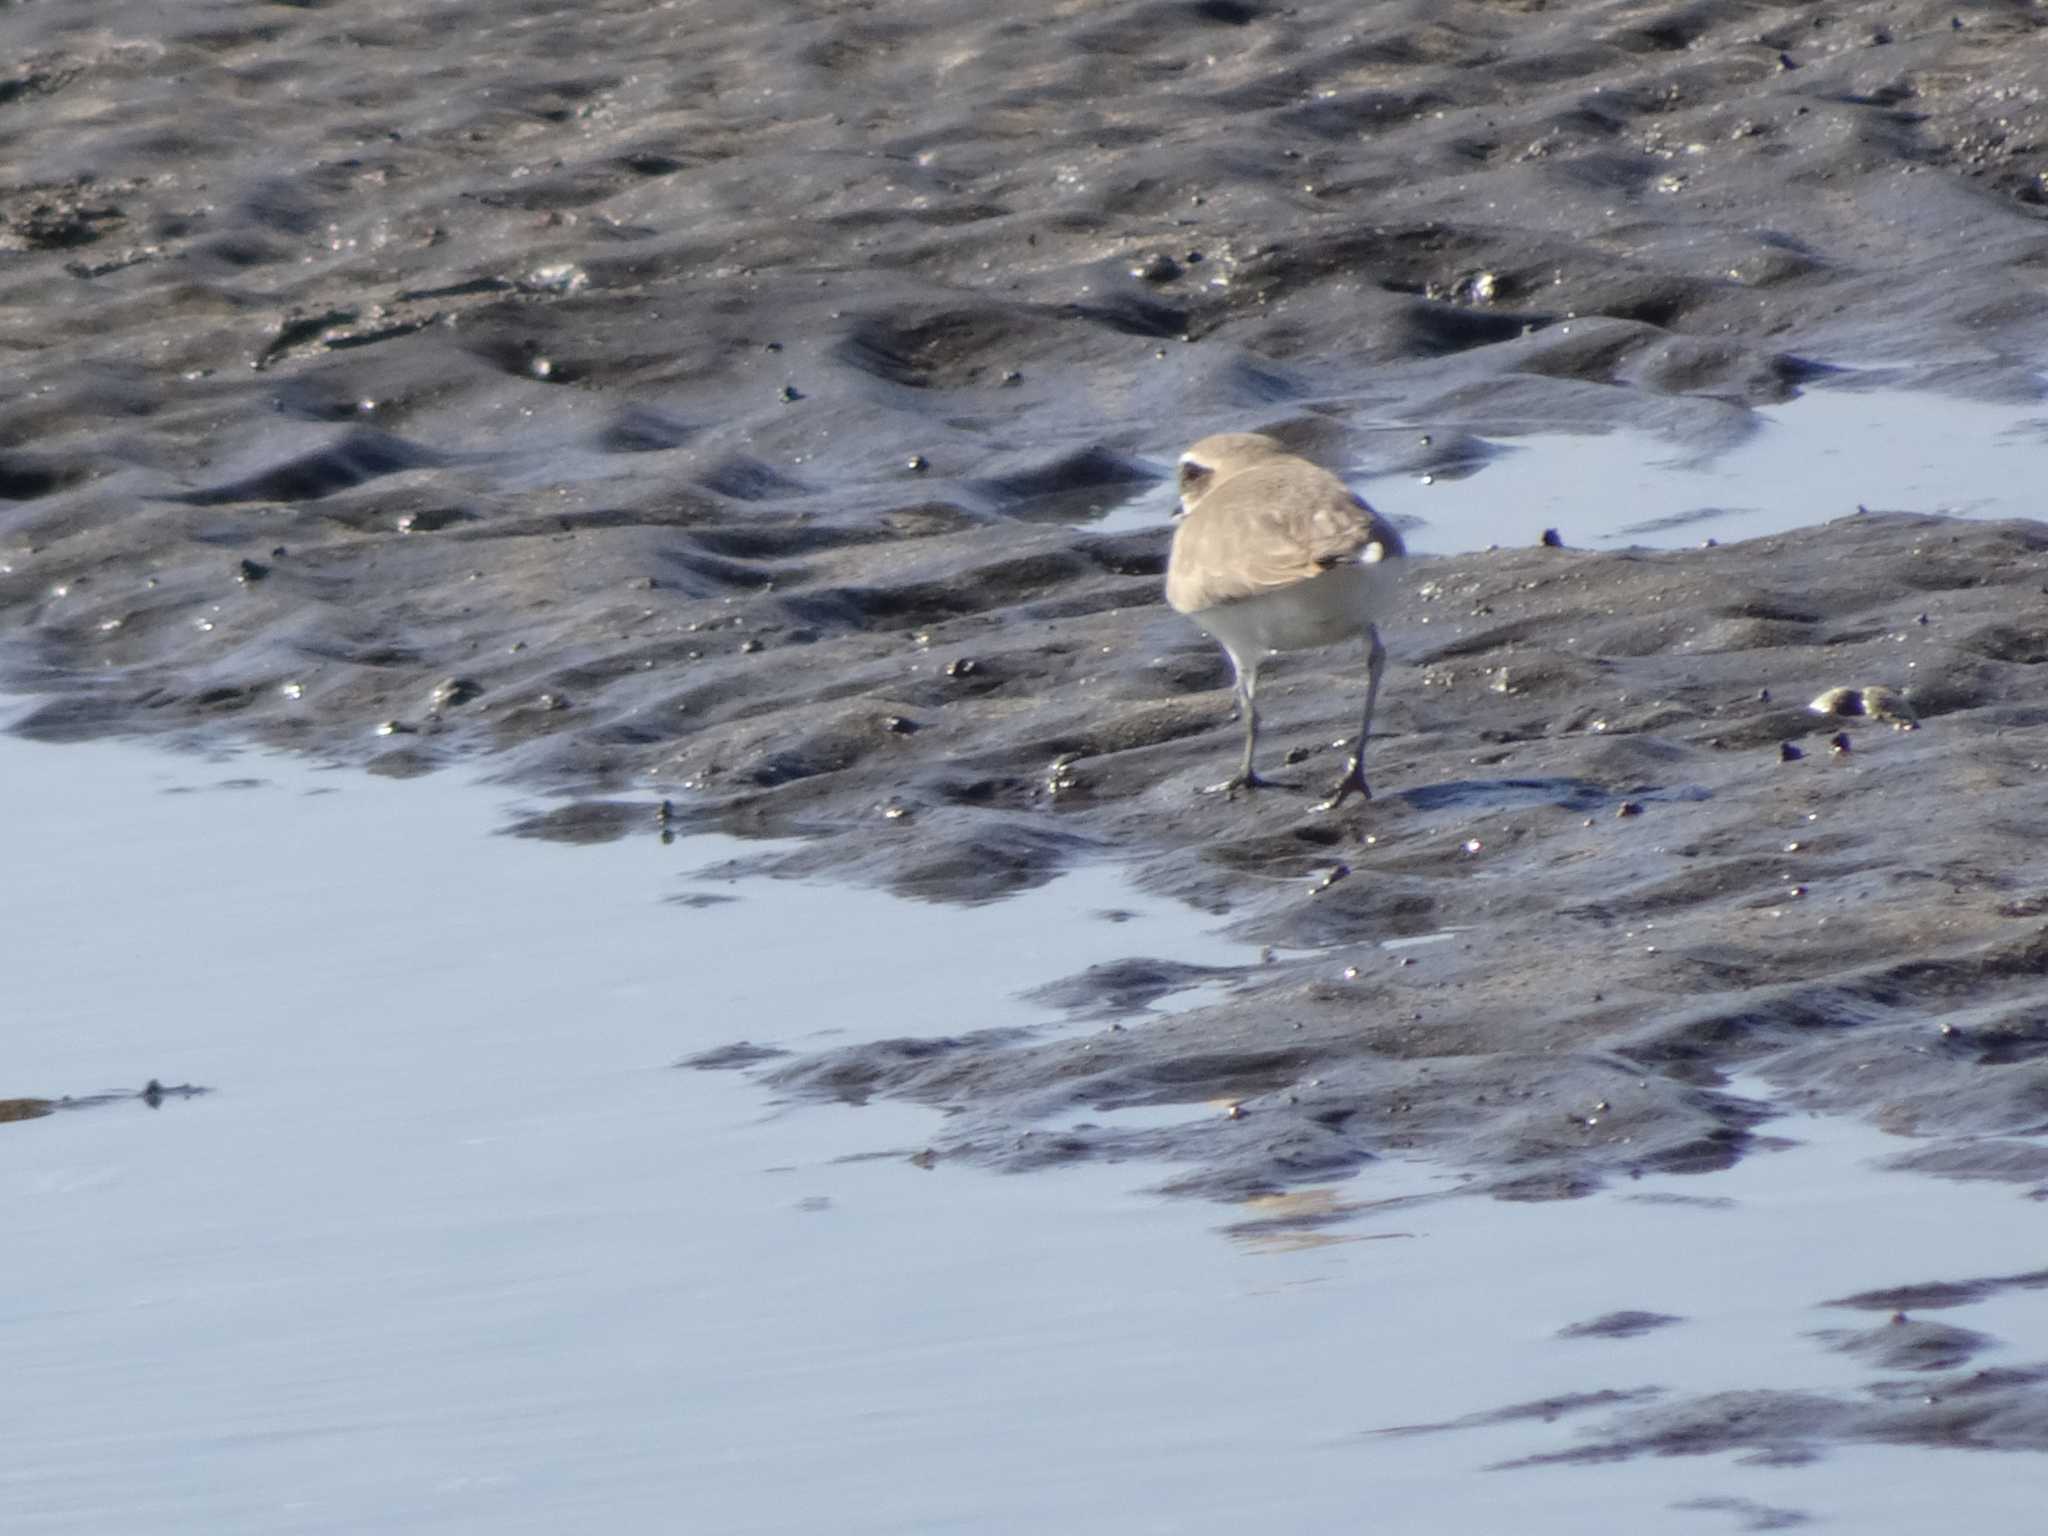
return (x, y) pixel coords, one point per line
(695, 413)
(1615, 854)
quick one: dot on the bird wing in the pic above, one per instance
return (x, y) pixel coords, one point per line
(1262, 531)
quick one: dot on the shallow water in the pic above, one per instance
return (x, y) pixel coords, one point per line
(1817, 457)
(452, 1246)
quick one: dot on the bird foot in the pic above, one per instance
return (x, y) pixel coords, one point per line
(1248, 780)
(1353, 781)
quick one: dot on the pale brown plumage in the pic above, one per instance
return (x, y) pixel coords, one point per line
(1275, 554)
(1257, 518)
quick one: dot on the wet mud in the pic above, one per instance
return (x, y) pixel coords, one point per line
(707, 419)
(1593, 882)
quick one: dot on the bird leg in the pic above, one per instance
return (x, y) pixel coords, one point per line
(1354, 774)
(1246, 777)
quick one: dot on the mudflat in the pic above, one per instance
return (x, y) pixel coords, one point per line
(686, 404)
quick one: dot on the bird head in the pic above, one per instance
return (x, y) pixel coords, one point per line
(1215, 459)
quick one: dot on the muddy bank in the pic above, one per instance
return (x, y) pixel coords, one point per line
(1614, 855)
(711, 410)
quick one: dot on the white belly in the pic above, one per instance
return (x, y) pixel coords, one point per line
(1323, 610)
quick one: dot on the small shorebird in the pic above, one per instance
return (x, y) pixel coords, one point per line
(1274, 554)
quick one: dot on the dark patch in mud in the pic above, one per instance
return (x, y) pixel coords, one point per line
(732, 1058)
(700, 899)
(1987, 1410)
(1619, 1325)
(1905, 1344)
(1119, 987)
(857, 1075)
(1547, 1410)
(587, 821)
(341, 465)
(1936, 1294)
(1749, 1514)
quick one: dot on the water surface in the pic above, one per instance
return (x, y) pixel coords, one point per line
(1820, 456)
(453, 1246)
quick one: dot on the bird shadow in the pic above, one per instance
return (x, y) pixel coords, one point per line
(1507, 794)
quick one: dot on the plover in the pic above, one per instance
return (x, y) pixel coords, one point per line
(1274, 554)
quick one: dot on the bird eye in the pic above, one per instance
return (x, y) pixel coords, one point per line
(1192, 475)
